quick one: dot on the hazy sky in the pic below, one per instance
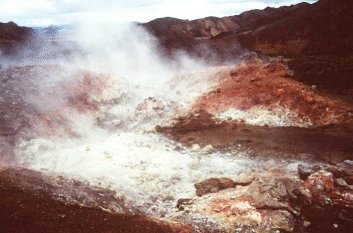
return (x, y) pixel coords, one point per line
(47, 12)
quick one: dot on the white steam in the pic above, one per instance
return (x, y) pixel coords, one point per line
(93, 116)
(278, 116)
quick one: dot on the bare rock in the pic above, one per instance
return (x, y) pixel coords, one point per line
(305, 171)
(182, 202)
(244, 178)
(341, 182)
(274, 190)
(319, 182)
(280, 220)
(278, 200)
(344, 171)
(213, 185)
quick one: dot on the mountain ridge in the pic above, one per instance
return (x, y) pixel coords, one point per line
(13, 36)
(315, 39)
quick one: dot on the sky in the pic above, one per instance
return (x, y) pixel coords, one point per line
(59, 12)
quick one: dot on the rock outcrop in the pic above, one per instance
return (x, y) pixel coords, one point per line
(278, 200)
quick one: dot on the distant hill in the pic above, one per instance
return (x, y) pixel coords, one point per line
(316, 39)
(324, 27)
(52, 31)
(13, 36)
(168, 28)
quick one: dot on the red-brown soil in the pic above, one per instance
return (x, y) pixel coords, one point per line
(260, 84)
(256, 83)
(24, 209)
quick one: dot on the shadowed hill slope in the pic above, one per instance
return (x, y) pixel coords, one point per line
(12, 36)
(316, 39)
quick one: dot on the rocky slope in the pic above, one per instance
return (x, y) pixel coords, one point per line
(321, 28)
(311, 199)
(196, 35)
(316, 38)
(168, 28)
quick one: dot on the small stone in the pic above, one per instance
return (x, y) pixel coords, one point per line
(195, 147)
(184, 201)
(341, 182)
(347, 163)
(207, 149)
(244, 179)
(159, 128)
(305, 171)
(335, 225)
(282, 220)
(319, 182)
(168, 198)
(153, 198)
(306, 223)
(253, 80)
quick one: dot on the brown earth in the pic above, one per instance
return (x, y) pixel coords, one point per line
(261, 84)
(33, 209)
(332, 143)
(256, 83)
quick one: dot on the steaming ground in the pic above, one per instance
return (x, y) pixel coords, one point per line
(124, 153)
(142, 166)
(93, 119)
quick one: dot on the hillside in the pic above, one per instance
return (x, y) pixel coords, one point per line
(316, 39)
(12, 36)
